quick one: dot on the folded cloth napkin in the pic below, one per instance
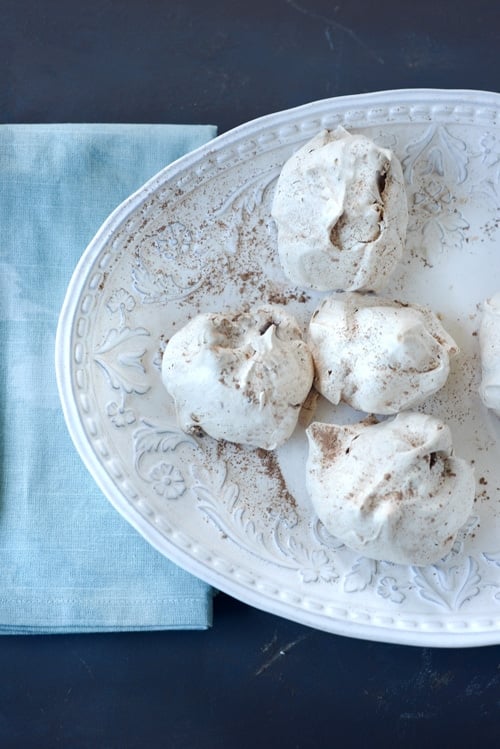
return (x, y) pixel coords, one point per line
(68, 561)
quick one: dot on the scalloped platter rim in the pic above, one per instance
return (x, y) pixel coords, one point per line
(199, 237)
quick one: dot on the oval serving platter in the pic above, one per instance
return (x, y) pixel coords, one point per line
(199, 237)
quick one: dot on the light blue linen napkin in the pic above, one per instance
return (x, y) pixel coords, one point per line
(68, 561)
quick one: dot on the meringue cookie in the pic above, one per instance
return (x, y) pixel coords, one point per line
(341, 211)
(489, 346)
(377, 355)
(240, 377)
(391, 491)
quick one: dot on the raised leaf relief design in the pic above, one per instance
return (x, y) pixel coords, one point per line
(314, 564)
(323, 537)
(361, 575)
(247, 198)
(490, 151)
(489, 581)
(436, 152)
(440, 223)
(160, 287)
(449, 586)
(120, 360)
(151, 440)
(119, 377)
(489, 190)
(489, 186)
(123, 370)
(433, 162)
(492, 557)
(169, 264)
(243, 203)
(115, 337)
(219, 499)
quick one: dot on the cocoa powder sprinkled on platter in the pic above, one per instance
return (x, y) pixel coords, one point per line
(271, 466)
(250, 463)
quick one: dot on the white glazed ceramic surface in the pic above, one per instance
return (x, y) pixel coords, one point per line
(199, 237)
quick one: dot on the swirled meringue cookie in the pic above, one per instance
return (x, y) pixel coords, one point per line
(341, 211)
(391, 491)
(377, 355)
(489, 345)
(240, 377)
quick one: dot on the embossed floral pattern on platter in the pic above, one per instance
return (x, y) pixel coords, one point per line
(453, 177)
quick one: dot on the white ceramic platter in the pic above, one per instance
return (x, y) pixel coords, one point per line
(199, 237)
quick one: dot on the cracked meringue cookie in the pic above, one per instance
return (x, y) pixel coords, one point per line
(377, 355)
(489, 346)
(341, 211)
(241, 377)
(392, 491)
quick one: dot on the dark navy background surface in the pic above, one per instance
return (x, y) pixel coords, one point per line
(254, 680)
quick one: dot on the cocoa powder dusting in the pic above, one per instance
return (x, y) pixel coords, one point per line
(328, 442)
(251, 462)
(272, 469)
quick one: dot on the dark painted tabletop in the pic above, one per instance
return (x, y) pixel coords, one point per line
(253, 679)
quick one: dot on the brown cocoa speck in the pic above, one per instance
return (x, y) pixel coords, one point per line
(370, 420)
(277, 298)
(272, 469)
(328, 442)
(103, 281)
